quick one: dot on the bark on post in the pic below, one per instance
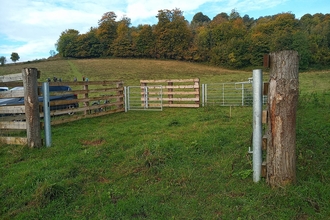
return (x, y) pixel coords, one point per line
(31, 102)
(282, 106)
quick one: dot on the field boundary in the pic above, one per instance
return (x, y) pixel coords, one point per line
(94, 98)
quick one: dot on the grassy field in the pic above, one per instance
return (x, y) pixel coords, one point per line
(174, 164)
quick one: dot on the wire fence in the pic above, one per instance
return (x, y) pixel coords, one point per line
(227, 94)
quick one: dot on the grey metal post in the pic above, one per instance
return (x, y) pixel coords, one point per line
(242, 94)
(125, 98)
(257, 124)
(45, 93)
(203, 94)
(128, 99)
(223, 94)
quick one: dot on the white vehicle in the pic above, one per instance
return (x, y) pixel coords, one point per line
(3, 89)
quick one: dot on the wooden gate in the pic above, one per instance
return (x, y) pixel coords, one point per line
(176, 92)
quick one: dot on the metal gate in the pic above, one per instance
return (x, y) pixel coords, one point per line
(227, 94)
(147, 98)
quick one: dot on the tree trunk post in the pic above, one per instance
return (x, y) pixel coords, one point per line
(282, 106)
(31, 102)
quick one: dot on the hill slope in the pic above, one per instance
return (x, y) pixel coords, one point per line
(178, 163)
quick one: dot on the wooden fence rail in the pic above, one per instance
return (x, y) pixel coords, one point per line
(94, 98)
(31, 124)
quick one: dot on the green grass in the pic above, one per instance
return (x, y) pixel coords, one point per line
(174, 164)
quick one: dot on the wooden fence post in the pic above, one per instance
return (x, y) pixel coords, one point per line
(196, 84)
(31, 102)
(282, 107)
(86, 103)
(170, 94)
(120, 93)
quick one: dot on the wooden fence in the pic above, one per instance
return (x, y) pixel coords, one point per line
(176, 92)
(94, 98)
(14, 130)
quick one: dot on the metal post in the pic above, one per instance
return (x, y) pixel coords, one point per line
(161, 98)
(205, 94)
(128, 98)
(223, 94)
(203, 90)
(45, 94)
(257, 124)
(125, 98)
(242, 94)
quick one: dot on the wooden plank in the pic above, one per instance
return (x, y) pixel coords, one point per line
(81, 83)
(18, 117)
(14, 140)
(172, 93)
(13, 125)
(12, 84)
(182, 105)
(61, 102)
(265, 88)
(12, 109)
(12, 94)
(88, 91)
(11, 77)
(264, 169)
(169, 80)
(173, 99)
(97, 98)
(197, 91)
(264, 116)
(264, 143)
(174, 87)
(174, 105)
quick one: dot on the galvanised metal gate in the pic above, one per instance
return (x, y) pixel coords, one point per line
(144, 98)
(227, 94)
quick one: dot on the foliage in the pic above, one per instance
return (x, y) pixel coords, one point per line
(227, 40)
(3, 60)
(14, 57)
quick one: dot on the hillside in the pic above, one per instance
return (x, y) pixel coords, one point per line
(175, 164)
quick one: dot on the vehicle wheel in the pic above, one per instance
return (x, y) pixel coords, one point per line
(71, 107)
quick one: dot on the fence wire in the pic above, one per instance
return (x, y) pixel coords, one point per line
(227, 94)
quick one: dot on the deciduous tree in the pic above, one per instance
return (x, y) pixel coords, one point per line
(107, 31)
(14, 57)
(66, 43)
(173, 36)
(3, 60)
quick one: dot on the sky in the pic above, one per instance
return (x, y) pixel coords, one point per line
(31, 28)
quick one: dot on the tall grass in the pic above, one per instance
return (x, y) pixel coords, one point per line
(174, 164)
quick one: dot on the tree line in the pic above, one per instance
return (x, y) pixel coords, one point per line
(228, 40)
(14, 57)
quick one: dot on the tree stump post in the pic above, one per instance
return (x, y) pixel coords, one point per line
(282, 106)
(31, 102)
